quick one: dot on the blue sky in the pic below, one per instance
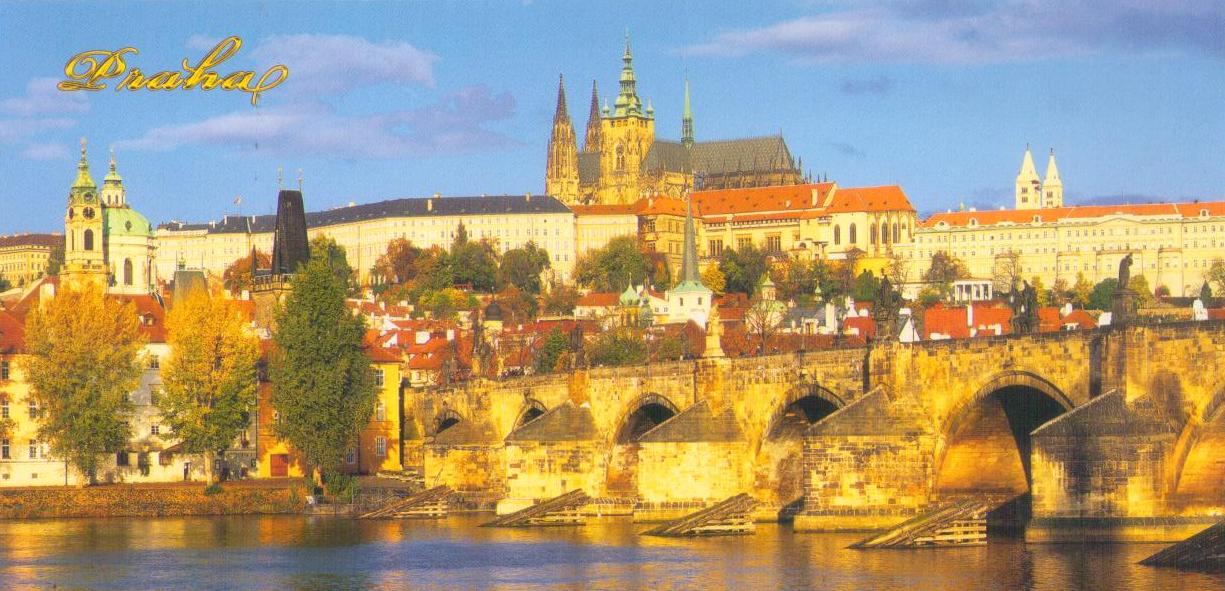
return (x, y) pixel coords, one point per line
(388, 100)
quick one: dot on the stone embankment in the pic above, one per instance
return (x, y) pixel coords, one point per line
(152, 500)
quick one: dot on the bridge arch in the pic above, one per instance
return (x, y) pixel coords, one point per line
(805, 404)
(643, 414)
(778, 463)
(984, 445)
(446, 419)
(1195, 475)
(532, 409)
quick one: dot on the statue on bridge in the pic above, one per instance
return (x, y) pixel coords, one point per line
(1024, 304)
(1125, 301)
(578, 359)
(885, 311)
(1125, 272)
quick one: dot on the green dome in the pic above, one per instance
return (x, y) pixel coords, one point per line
(124, 221)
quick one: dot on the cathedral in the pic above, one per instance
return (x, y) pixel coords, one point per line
(1034, 194)
(106, 242)
(622, 160)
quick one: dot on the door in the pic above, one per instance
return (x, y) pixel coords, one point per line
(279, 465)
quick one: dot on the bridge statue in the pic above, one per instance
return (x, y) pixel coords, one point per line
(1125, 302)
(1125, 272)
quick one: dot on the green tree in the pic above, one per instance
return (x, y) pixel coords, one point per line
(828, 282)
(1205, 293)
(1082, 290)
(617, 347)
(611, 268)
(794, 280)
(866, 287)
(4, 284)
(237, 277)
(1044, 295)
(444, 304)
(432, 272)
(209, 379)
(1139, 284)
(84, 360)
(56, 261)
(743, 269)
(1103, 294)
(943, 271)
(560, 300)
(399, 263)
(551, 350)
(322, 385)
(1215, 276)
(473, 263)
(521, 267)
(325, 248)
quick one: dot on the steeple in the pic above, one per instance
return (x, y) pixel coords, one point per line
(113, 193)
(1028, 193)
(592, 142)
(561, 170)
(83, 183)
(628, 103)
(689, 264)
(687, 120)
(1052, 185)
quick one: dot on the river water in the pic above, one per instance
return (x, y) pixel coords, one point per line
(295, 552)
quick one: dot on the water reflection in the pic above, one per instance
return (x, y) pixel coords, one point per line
(293, 552)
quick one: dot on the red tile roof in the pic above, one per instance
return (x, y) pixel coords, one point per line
(605, 209)
(599, 300)
(882, 198)
(44, 240)
(152, 315)
(1054, 214)
(755, 200)
(952, 321)
(12, 333)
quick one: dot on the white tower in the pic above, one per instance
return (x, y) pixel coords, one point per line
(1052, 186)
(1029, 188)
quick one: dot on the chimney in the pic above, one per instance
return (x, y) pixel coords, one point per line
(429, 205)
(527, 198)
(970, 315)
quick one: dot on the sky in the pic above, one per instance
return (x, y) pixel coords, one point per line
(387, 100)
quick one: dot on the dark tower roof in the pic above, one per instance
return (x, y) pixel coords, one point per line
(591, 143)
(290, 247)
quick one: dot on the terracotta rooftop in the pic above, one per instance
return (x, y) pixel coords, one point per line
(1056, 214)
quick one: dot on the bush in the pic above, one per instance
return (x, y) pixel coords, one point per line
(342, 487)
(213, 489)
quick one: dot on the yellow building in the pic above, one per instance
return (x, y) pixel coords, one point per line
(24, 459)
(622, 160)
(1172, 244)
(595, 225)
(364, 231)
(26, 257)
(378, 444)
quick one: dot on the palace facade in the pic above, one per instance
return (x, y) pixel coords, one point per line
(26, 257)
(622, 160)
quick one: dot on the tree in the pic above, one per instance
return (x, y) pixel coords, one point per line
(1082, 290)
(1205, 293)
(1006, 272)
(1060, 292)
(794, 280)
(943, 271)
(521, 267)
(742, 269)
(322, 385)
(1215, 276)
(713, 278)
(762, 319)
(866, 287)
(237, 277)
(560, 300)
(898, 269)
(473, 263)
(432, 271)
(83, 361)
(209, 379)
(551, 350)
(399, 264)
(1103, 294)
(1139, 284)
(1044, 295)
(847, 271)
(333, 255)
(56, 261)
(617, 347)
(444, 304)
(827, 280)
(517, 305)
(613, 267)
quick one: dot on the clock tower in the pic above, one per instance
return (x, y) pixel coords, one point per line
(84, 256)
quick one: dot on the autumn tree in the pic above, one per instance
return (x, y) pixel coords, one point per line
(610, 269)
(1006, 272)
(84, 360)
(1081, 291)
(743, 269)
(521, 267)
(237, 277)
(209, 380)
(553, 348)
(1215, 276)
(1139, 285)
(617, 347)
(398, 264)
(942, 272)
(897, 270)
(560, 300)
(322, 386)
(473, 263)
(1044, 294)
(762, 319)
(713, 278)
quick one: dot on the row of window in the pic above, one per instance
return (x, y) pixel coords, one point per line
(33, 409)
(37, 450)
(380, 450)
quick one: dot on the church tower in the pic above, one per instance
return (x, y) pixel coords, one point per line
(1052, 186)
(591, 143)
(628, 133)
(561, 171)
(687, 120)
(84, 255)
(1029, 187)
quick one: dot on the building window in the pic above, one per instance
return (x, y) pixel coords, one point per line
(872, 234)
(619, 163)
(154, 362)
(5, 454)
(380, 411)
(744, 243)
(127, 271)
(851, 236)
(35, 449)
(89, 240)
(350, 456)
(774, 244)
(4, 370)
(380, 446)
(378, 378)
(33, 409)
(4, 409)
(715, 248)
(837, 235)
(155, 430)
(121, 458)
(896, 234)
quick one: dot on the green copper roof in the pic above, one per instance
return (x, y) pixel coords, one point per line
(628, 104)
(83, 183)
(690, 287)
(124, 221)
(112, 176)
(629, 297)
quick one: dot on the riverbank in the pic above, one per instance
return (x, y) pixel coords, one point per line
(255, 497)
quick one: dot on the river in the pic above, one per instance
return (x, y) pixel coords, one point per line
(304, 553)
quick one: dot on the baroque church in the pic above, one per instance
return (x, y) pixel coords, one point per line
(622, 160)
(106, 242)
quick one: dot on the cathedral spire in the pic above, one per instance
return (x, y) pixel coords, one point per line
(687, 120)
(1028, 187)
(83, 181)
(592, 142)
(689, 264)
(627, 102)
(561, 112)
(1052, 185)
(561, 170)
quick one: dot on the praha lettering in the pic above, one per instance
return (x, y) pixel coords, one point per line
(89, 70)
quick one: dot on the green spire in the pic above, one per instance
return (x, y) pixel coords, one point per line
(84, 181)
(112, 176)
(628, 103)
(689, 264)
(687, 120)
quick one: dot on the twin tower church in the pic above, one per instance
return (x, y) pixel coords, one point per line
(622, 161)
(106, 242)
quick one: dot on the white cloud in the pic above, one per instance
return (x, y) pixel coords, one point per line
(335, 63)
(12, 130)
(42, 98)
(968, 32)
(49, 151)
(457, 124)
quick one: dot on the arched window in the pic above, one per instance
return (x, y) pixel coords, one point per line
(619, 163)
(127, 271)
(871, 233)
(884, 232)
(837, 235)
(851, 237)
(89, 240)
(896, 234)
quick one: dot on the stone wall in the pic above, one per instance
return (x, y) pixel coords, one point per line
(149, 501)
(675, 477)
(542, 470)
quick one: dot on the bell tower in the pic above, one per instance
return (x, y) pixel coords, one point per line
(1029, 187)
(561, 172)
(84, 252)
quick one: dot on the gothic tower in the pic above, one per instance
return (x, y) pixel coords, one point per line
(1052, 186)
(628, 132)
(1029, 188)
(591, 143)
(561, 171)
(84, 256)
(687, 120)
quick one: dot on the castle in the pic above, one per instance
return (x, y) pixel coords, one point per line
(622, 160)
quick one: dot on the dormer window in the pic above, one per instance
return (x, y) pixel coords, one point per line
(1037, 220)
(1203, 213)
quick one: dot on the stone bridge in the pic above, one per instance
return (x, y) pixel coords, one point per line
(1115, 433)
